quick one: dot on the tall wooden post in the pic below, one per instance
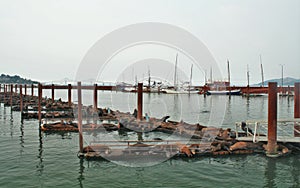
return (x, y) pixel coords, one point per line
(95, 97)
(272, 119)
(40, 92)
(16, 88)
(69, 95)
(32, 90)
(25, 89)
(52, 92)
(21, 99)
(140, 101)
(80, 117)
(297, 108)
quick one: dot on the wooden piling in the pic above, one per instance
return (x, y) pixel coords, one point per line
(95, 97)
(272, 119)
(297, 108)
(140, 101)
(40, 92)
(80, 117)
(32, 90)
(16, 88)
(21, 99)
(69, 95)
(52, 92)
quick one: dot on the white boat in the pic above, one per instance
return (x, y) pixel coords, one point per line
(224, 92)
(185, 88)
(180, 91)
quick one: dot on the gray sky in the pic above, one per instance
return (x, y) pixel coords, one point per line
(46, 40)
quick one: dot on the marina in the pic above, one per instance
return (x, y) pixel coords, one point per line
(149, 94)
(136, 122)
(69, 141)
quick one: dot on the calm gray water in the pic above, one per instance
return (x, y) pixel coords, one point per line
(30, 158)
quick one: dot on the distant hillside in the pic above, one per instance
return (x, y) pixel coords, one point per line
(286, 81)
(7, 79)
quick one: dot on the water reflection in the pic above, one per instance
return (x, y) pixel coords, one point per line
(296, 170)
(139, 174)
(22, 138)
(11, 124)
(81, 171)
(4, 113)
(40, 166)
(270, 173)
(248, 107)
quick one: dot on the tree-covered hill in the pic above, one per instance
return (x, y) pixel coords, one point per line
(7, 79)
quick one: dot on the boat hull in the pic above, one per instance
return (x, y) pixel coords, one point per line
(225, 92)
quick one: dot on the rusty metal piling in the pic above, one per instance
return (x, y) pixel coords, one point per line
(11, 95)
(40, 92)
(297, 108)
(69, 95)
(52, 92)
(272, 119)
(25, 87)
(140, 101)
(21, 99)
(80, 117)
(32, 90)
(95, 97)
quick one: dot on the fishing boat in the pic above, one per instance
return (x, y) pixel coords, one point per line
(221, 87)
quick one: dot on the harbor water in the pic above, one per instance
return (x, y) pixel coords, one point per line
(30, 158)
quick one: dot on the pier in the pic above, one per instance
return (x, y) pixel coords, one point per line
(220, 142)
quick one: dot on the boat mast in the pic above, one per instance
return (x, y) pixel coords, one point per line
(248, 75)
(228, 69)
(211, 75)
(228, 76)
(149, 78)
(205, 77)
(175, 73)
(262, 72)
(191, 78)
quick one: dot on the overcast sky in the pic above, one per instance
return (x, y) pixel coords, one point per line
(47, 40)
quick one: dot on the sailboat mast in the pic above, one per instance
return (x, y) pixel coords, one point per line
(175, 73)
(211, 75)
(190, 83)
(248, 75)
(149, 78)
(228, 68)
(262, 72)
(191, 74)
(205, 77)
(229, 77)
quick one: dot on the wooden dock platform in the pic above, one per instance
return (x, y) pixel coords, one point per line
(283, 139)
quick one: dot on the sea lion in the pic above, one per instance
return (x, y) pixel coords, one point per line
(224, 134)
(245, 127)
(244, 145)
(184, 149)
(194, 148)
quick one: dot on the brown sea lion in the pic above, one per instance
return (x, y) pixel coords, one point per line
(244, 145)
